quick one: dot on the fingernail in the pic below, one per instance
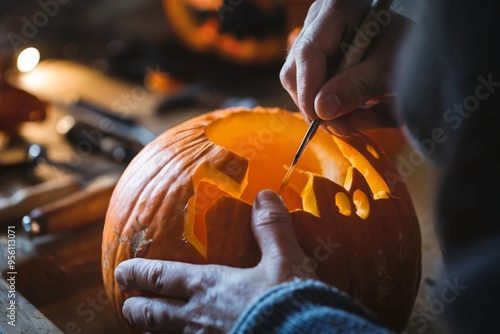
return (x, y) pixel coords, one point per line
(336, 130)
(267, 196)
(329, 106)
(120, 279)
(119, 275)
(126, 310)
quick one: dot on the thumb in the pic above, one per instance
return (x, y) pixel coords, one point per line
(272, 227)
(350, 89)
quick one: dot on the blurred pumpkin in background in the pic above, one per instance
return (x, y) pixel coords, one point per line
(253, 32)
(239, 31)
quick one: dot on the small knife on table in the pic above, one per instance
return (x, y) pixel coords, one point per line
(84, 206)
(78, 209)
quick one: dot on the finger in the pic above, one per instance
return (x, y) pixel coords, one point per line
(167, 278)
(271, 225)
(317, 46)
(376, 116)
(317, 43)
(288, 74)
(155, 314)
(351, 88)
(370, 79)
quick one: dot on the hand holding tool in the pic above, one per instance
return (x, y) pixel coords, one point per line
(352, 57)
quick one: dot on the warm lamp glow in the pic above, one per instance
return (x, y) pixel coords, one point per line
(28, 59)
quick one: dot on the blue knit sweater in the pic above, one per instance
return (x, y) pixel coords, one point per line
(307, 306)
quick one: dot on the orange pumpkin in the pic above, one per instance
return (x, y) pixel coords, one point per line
(391, 140)
(187, 197)
(240, 31)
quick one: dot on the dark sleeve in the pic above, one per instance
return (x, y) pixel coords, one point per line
(450, 89)
(472, 289)
(449, 84)
(307, 307)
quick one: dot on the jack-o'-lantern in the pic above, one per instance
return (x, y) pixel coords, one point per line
(187, 197)
(239, 31)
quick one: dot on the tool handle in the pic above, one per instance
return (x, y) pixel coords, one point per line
(26, 199)
(355, 53)
(82, 208)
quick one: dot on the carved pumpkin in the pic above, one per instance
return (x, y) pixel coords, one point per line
(187, 197)
(241, 31)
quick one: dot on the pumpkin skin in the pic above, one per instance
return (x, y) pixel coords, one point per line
(247, 32)
(187, 197)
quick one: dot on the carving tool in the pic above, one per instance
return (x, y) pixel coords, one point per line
(352, 57)
(123, 127)
(79, 209)
(26, 199)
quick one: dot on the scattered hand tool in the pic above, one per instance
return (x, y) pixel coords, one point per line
(26, 199)
(121, 126)
(88, 169)
(352, 57)
(74, 178)
(76, 210)
(76, 133)
(56, 208)
(89, 205)
(14, 159)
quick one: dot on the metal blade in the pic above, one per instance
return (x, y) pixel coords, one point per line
(307, 138)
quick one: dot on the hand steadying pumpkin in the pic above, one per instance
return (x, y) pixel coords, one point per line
(329, 27)
(212, 297)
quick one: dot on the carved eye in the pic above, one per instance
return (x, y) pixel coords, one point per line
(361, 203)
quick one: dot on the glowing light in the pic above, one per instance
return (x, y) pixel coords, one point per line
(28, 59)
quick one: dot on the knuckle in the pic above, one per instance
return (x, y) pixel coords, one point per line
(131, 274)
(147, 314)
(304, 47)
(286, 77)
(202, 282)
(157, 276)
(361, 88)
(340, 6)
(267, 217)
(315, 6)
(314, 9)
